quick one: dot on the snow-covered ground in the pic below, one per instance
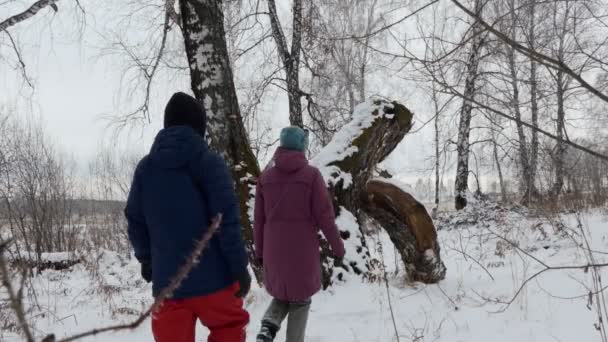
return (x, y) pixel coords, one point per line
(483, 270)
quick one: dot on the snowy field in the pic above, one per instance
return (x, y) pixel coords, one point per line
(484, 271)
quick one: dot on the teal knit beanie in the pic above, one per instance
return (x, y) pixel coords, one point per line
(294, 138)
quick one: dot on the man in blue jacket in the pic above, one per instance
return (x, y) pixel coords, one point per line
(178, 188)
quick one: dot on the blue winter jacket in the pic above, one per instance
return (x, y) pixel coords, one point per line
(177, 189)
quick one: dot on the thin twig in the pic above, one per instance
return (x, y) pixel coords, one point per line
(448, 297)
(388, 292)
(389, 26)
(546, 268)
(597, 283)
(21, 62)
(165, 293)
(548, 61)
(475, 260)
(452, 90)
(16, 303)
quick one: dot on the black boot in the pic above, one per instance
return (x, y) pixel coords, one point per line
(267, 332)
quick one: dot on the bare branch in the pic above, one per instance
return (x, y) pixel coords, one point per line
(279, 35)
(452, 90)
(165, 293)
(14, 297)
(30, 12)
(548, 61)
(149, 70)
(389, 26)
(21, 62)
(546, 268)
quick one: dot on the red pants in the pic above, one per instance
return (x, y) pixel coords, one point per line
(221, 312)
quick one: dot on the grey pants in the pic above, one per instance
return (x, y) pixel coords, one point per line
(297, 317)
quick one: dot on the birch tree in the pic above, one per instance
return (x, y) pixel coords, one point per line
(531, 186)
(560, 31)
(212, 84)
(516, 89)
(290, 58)
(472, 71)
(526, 169)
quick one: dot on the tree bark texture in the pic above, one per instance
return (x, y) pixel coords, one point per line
(212, 83)
(409, 227)
(562, 29)
(524, 155)
(501, 180)
(372, 145)
(464, 129)
(30, 12)
(560, 153)
(290, 60)
(437, 152)
(533, 102)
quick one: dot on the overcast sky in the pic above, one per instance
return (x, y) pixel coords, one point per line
(77, 86)
(74, 88)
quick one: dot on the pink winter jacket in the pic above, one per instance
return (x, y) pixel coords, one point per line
(292, 203)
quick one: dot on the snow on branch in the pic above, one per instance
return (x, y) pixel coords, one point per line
(347, 163)
(343, 145)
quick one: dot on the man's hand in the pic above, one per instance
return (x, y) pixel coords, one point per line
(244, 280)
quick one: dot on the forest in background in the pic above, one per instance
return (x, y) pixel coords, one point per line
(514, 95)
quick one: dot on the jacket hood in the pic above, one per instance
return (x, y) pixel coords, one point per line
(289, 160)
(175, 146)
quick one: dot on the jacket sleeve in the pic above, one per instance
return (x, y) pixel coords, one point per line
(259, 221)
(137, 228)
(323, 215)
(220, 197)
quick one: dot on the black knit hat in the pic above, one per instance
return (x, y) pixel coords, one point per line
(184, 110)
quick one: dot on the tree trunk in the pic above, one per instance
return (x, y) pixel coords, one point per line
(533, 102)
(410, 228)
(503, 189)
(437, 156)
(348, 163)
(290, 60)
(560, 153)
(213, 85)
(526, 172)
(437, 153)
(461, 184)
(561, 82)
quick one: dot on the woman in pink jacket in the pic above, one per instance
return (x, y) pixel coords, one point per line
(292, 203)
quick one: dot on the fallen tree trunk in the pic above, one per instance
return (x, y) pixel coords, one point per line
(409, 227)
(348, 163)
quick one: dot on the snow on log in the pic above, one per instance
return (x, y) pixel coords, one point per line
(347, 164)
